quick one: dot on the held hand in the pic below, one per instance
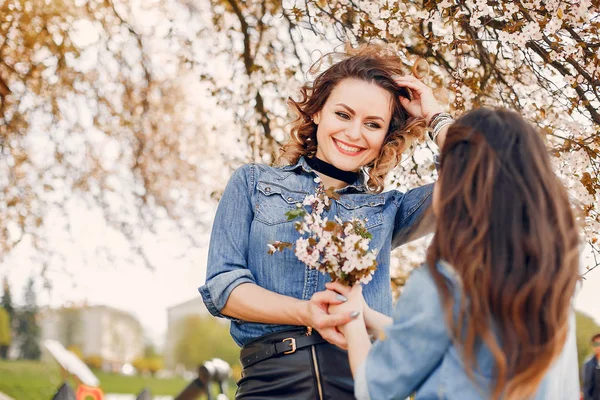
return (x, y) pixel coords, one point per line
(355, 306)
(325, 323)
(347, 292)
(423, 102)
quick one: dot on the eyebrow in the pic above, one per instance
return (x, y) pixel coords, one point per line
(354, 112)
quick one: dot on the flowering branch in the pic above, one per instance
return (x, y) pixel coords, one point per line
(337, 248)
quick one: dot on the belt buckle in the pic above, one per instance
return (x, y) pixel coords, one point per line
(292, 344)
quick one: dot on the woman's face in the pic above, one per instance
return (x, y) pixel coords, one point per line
(353, 123)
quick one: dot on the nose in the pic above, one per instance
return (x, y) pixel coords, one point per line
(354, 131)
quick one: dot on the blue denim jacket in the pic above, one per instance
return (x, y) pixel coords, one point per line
(417, 354)
(251, 214)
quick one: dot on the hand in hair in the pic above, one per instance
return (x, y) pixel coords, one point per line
(423, 103)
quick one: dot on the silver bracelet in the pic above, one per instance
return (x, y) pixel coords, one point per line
(437, 123)
(439, 126)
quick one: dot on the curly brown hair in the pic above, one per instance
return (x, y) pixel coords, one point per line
(504, 222)
(371, 63)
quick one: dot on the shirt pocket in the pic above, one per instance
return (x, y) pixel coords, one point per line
(274, 201)
(367, 207)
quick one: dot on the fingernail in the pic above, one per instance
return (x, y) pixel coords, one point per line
(341, 297)
(354, 314)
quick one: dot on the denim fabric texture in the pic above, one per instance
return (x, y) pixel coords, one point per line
(251, 214)
(417, 354)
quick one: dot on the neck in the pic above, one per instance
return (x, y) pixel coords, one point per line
(330, 174)
(598, 357)
(331, 182)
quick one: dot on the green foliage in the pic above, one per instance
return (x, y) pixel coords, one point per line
(202, 339)
(6, 301)
(151, 364)
(93, 361)
(150, 351)
(5, 333)
(7, 312)
(586, 328)
(154, 364)
(28, 330)
(295, 213)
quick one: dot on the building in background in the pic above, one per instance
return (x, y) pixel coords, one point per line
(111, 334)
(175, 316)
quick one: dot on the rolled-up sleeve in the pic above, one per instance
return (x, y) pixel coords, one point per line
(414, 344)
(227, 266)
(412, 219)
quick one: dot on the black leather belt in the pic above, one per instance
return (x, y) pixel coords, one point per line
(287, 345)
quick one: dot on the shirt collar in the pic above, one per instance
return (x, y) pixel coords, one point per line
(359, 184)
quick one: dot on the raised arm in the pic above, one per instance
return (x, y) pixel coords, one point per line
(422, 103)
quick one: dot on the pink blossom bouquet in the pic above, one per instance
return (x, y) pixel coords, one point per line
(338, 248)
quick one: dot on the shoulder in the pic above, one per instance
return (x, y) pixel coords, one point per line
(278, 172)
(273, 179)
(251, 172)
(242, 175)
(422, 290)
(423, 275)
(420, 307)
(413, 197)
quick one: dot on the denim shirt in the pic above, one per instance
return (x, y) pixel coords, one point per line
(251, 214)
(417, 354)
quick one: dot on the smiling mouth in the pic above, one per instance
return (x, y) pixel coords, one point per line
(346, 148)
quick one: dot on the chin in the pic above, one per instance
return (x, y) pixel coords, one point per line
(347, 165)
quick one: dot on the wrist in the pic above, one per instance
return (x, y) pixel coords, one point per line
(302, 313)
(354, 328)
(368, 315)
(431, 115)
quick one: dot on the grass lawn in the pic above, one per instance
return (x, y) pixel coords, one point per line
(28, 380)
(34, 380)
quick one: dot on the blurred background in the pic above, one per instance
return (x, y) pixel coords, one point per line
(121, 121)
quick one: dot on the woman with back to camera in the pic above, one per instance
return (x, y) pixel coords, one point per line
(357, 117)
(490, 314)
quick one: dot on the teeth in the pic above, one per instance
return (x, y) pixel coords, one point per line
(348, 148)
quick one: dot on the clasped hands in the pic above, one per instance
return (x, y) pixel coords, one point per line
(333, 311)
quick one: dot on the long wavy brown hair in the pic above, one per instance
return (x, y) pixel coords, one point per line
(374, 64)
(505, 224)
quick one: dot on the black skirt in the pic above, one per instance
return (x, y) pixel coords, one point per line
(316, 372)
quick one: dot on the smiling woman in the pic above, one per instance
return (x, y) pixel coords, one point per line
(351, 136)
(353, 124)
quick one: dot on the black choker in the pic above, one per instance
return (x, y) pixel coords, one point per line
(327, 169)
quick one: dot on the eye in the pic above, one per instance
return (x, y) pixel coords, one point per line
(373, 125)
(342, 115)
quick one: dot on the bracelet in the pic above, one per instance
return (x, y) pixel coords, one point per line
(433, 117)
(437, 123)
(436, 118)
(438, 128)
